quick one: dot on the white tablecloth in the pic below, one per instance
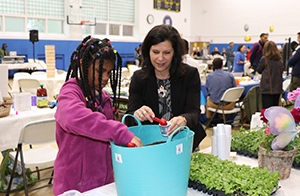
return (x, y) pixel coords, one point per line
(25, 66)
(52, 85)
(289, 187)
(11, 126)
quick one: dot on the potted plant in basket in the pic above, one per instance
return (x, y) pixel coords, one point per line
(277, 149)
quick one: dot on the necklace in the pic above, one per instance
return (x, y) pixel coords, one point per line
(161, 91)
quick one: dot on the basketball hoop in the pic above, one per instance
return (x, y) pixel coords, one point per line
(84, 21)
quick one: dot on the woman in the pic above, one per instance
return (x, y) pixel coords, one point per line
(165, 87)
(85, 121)
(270, 67)
(239, 59)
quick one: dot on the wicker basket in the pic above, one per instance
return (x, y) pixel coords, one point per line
(5, 106)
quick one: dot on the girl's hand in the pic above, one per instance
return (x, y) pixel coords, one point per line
(176, 122)
(137, 141)
(144, 113)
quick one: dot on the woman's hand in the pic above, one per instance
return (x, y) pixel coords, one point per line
(137, 141)
(144, 113)
(176, 122)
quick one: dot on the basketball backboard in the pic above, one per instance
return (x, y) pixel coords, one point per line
(79, 14)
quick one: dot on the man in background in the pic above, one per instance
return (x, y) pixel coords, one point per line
(3, 51)
(187, 59)
(257, 51)
(295, 63)
(230, 56)
(217, 83)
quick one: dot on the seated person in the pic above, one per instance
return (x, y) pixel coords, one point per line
(217, 83)
(197, 53)
(215, 52)
(3, 51)
(223, 52)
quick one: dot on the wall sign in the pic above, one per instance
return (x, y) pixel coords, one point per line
(170, 5)
(167, 20)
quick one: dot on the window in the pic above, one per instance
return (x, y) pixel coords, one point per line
(0, 23)
(55, 26)
(18, 24)
(113, 16)
(16, 7)
(127, 30)
(114, 29)
(53, 8)
(37, 24)
(33, 14)
(100, 29)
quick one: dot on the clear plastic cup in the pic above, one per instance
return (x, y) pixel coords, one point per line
(164, 129)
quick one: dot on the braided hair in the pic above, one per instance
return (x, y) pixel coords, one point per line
(86, 54)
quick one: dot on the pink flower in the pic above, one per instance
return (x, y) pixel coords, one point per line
(262, 116)
(267, 130)
(291, 96)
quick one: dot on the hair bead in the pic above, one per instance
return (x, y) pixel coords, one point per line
(109, 42)
(115, 51)
(76, 57)
(86, 99)
(100, 42)
(98, 54)
(91, 102)
(92, 46)
(84, 44)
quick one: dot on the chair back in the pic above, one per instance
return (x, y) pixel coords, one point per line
(28, 85)
(232, 94)
(286, 84)
(39, 73)
(203, 67)
(38, 132)
(18, 74)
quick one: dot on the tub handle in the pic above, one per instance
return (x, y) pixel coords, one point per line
(182, 128)
(137, 120)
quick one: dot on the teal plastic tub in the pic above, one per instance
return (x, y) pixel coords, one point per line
(161, 169)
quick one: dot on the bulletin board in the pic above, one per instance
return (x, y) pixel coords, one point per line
(170, 5)
(198, 46)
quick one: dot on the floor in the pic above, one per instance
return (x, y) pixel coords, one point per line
(48, 190)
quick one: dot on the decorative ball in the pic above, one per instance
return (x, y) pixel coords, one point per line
(247, 38)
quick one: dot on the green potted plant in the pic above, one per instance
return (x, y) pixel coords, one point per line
(277, 149)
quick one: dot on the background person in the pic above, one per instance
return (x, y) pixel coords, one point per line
(187, 59)
(257, 51)
(230, 56)
(215, 51)
(295, 63)
(165, 87)
(271, 68)
(217, 83)
(239, 59)
(137, 56)
(85, 120)
(3, 51)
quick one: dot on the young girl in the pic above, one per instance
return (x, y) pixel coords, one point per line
(85, 121)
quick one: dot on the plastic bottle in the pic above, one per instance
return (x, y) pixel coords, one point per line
(41, 97)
